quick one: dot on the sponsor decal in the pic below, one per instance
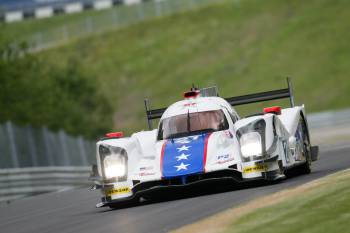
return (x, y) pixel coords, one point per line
(147, 173)
(116, 191)
(256, 168)
(285, 149)
(190, 104)
(146, 168)
(224, 159)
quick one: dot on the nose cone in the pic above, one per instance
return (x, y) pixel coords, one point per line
(184, 156)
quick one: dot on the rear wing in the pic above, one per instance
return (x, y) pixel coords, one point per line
(264, 96)
(234, 101)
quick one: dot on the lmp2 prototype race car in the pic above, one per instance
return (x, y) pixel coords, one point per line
(202, 138)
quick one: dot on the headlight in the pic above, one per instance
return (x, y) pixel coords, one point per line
(114, 166)
(114, 162)
(251, 144)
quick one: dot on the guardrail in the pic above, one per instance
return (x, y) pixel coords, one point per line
(26, 146)
(21, 182)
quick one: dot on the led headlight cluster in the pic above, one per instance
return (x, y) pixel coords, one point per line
(114, 166)
(252, 139)
(251, 144)
(114, 162)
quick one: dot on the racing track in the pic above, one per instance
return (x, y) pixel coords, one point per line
(73, 211)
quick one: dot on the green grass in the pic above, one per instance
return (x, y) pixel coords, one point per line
(64, 27)
(241, 46)
(323, 209)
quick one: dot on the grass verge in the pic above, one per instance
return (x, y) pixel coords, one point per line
(319, 206)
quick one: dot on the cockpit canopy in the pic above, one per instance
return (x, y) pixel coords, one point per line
(192, 124)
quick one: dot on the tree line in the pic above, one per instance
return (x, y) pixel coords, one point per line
(38, 93)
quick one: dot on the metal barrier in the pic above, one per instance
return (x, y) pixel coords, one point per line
(21, 182)
(36, 160)
(35, 147)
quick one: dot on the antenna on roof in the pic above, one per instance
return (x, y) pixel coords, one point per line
(194, 88)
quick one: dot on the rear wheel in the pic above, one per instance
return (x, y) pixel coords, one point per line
(306, 148)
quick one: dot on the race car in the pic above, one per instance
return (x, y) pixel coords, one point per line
(202, 138)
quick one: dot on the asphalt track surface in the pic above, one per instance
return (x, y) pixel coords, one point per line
(73, 210)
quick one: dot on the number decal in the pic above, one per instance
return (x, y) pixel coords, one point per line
(284, 143)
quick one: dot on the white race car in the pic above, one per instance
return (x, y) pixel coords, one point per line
(202, 138)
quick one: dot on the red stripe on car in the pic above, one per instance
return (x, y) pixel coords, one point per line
(162, 158)
(205, 151)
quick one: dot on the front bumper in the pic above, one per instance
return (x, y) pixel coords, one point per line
(146, 188)
(230, 174)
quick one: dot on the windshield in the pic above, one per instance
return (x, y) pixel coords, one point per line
(192, 123)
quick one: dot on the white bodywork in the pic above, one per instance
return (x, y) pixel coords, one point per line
(222, 148)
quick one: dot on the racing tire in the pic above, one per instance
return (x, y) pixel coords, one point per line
(306, 167)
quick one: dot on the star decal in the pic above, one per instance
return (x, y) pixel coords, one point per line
(183, 141)
(182, 166)
(194, 137)
(182, 157)
(183, 148)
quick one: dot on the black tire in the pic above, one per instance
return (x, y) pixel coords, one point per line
(306, 167)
